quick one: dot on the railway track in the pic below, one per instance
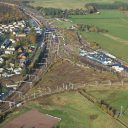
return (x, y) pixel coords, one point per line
(24, 87)
(14, 97)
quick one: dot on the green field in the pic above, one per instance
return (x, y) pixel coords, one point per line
(115, 98)
(67, 3)
(115, 40)
(73, 109)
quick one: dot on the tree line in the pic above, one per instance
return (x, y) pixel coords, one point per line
(109, 109)
(9, 14)
(90, 28)
(61, 13)
(114, 5)
(64, 13)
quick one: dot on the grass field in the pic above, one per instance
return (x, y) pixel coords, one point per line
(116, 40)
(115, 98)
(73, 109)
(67, 3)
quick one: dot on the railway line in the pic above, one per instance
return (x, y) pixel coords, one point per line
(13, 98)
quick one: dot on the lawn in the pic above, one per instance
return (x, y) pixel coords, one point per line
(116, 40)
(73, 109)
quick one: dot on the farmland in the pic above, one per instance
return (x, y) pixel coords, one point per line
(115, 21)
(74, 110)
(83, 107)
(115, 98)
(67, 3)
(115, 40)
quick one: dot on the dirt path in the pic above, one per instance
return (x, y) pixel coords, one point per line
(115, 38)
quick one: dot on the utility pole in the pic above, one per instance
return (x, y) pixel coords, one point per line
(121, 110)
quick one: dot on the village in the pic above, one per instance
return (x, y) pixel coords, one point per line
(17, 46)
(61, 67)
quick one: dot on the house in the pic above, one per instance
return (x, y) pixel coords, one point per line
(14, 33)
(10, 30)
(6, 43)
(20, 50)
(11, 49)
(13, 41)
(34, 119)
(9, 75)
(39, 32)
(2, 46)
(26, 30)
(14, 23)
(1, 70)
(4, 74)
(3, 25)
(8, 52)
(1, 60)
(10, 25)
(17, 71)
(12, 65)
(10, 69)
(21, 35)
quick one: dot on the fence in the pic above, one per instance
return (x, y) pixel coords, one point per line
(72, 87)
(60, 89)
